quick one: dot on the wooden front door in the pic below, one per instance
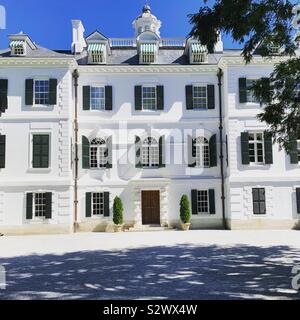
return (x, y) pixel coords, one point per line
(150, 207)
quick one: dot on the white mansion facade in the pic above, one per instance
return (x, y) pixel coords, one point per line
(147, 119)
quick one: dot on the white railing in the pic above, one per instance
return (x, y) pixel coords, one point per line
(123, 42)
(131, 42)
(173, 42)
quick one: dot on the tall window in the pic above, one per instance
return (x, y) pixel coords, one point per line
(41, 92)
(98, 153)
(39, 204)
(200, 97)
(40, 150)
(97, 203)
(149, 98)
(150, 153)
(97, 98)
(256, 148)
(259, 200)
(250, 95)
(202, 201)
(201, 151)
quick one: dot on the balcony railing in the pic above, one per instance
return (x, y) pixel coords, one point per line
(131, 42)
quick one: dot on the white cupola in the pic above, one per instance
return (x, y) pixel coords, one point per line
(146, 22)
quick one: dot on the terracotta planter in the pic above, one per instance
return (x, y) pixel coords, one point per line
(185, 226)
(118, 227)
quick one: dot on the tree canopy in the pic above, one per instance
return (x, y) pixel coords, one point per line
(260, 26)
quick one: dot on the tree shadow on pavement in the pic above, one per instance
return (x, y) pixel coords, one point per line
(177, 272)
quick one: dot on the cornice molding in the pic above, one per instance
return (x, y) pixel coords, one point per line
(37, 62)
(225, 61)
(140, 69)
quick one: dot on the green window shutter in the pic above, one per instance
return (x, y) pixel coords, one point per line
(29, 200)
(3, 95)
(108, 98)
(88, 204)
(243, 90)
(189, 97)
(29, 92)
(138, 146)
(298, 199)
(210, 96)
(266, 87)
(213, 151)
(85, 153)
(194, 195)
(268, 143)
(160, 97)
(245, 147)
(191, 153)
(162, 152)
(212, 201)
(294, 150)
(48, 208)
(109, 145)
(40, 157)
(86, 97)
(53, 91)
(2, 151)
(138, 97)
(106, 204)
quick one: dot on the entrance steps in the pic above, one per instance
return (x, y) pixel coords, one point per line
(145, 228)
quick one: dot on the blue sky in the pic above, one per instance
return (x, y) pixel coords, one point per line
(48, 23)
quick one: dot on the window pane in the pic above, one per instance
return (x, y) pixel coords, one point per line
(40, 204)
(150, 153)
(98, 203)
(98, 153)
(202, 201)
(250, 95)
(41, 92)
(149, 98)
(97, 98)
(200, 97)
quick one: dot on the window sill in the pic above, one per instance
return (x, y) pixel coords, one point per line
(96, 111)
(195, 109)
(39, 220)
(251, 104)
(150, 111)
(39, 170)
(258, 165)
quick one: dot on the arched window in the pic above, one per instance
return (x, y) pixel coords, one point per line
(98, 153)
(150, 152)
(201, 152)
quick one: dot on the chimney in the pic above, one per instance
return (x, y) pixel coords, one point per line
(78, 43)
(219, 44)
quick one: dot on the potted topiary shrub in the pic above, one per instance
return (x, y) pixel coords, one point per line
(118, 218)
(185, 213)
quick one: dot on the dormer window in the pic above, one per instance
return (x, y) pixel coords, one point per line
(17, 48)
(148, 53)
(198, 53)
(97, 53)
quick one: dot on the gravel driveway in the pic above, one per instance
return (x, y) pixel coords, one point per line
(152, 265)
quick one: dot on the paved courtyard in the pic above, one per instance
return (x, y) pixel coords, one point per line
(152, 265)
